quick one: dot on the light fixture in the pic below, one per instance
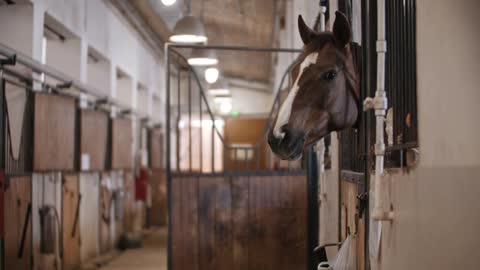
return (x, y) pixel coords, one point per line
(219, 88)
(168, 2)
(202, 57)
(211, 74)
(189, 30)
(226, 107)
(221, 99)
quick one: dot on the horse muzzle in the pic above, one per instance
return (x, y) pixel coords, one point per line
(290, 145)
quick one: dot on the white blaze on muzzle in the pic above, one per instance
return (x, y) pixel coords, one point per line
(286, 108)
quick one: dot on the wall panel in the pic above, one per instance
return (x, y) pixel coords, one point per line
(54, 129)
(89, 215)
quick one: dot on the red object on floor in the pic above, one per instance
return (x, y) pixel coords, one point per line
(2, 189)
(141, 183)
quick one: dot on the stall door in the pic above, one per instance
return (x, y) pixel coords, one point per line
(71, 223)
(18, 224)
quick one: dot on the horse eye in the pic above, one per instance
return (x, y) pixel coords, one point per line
(329, 75)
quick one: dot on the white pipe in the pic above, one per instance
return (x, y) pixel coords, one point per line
(379, 104)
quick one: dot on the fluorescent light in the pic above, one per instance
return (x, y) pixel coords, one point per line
(211, 74)
(221, 99)
(219, 92)
(168, 2)
(202, 61)
(202, 57)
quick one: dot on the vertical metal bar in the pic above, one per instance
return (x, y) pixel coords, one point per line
(168, 157)
(213, 145)
(201, 133)
(366, 83)
(257, 157)
(312, 202)
(235, 159)
(246, 159)
(2, 121)
(190, 120)
(177, 128)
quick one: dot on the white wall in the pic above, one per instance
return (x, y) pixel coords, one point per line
(436, 205)
(97, 25)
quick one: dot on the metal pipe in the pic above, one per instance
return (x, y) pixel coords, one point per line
(64, 78)
(379, 104)
(235, 48)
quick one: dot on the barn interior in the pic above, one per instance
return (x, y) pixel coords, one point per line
(135, 135)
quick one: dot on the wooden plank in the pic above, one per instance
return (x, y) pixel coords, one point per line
(177, 224)
(158, 209)
(17, 200)
(240, 197)
(122, 139)
(54, 130)
(257, 247)
(156, 148)
(71, 222)
(94, 134)
(223, 224)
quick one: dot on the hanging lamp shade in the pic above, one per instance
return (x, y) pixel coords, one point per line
(202, 57)
(189, 30)
(219, 88)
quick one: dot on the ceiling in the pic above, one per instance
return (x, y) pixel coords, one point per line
(227, 22)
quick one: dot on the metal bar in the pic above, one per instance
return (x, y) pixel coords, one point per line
(201, 134)
(241, 173)
(213, 146)
(64, 78)
(177, 128)
(2, 121)
(235, 159)
(168, 167)
(312, 201)
(236, 48)
(190, 121)
(246, 159)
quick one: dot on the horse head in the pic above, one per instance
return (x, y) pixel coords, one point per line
(325, 93)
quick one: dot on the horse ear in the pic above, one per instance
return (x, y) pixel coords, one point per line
(342, 30)
(306, 33)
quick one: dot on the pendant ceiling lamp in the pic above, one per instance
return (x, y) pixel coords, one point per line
(189, 29)
(202, 57)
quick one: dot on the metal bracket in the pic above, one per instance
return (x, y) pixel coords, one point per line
(66, 85)
(10, 61)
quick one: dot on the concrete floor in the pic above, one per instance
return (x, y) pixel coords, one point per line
(152, 256)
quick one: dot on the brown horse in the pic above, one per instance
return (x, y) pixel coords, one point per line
(325, 93)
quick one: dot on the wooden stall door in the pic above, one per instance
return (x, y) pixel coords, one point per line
(54, 131)
(94, 135)
(71, 222)
(254, 223)
(18, 224)
(245, 132)
(122, 139)
(349, 220)
(158, 210)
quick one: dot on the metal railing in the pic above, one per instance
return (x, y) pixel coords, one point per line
(174, 113)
